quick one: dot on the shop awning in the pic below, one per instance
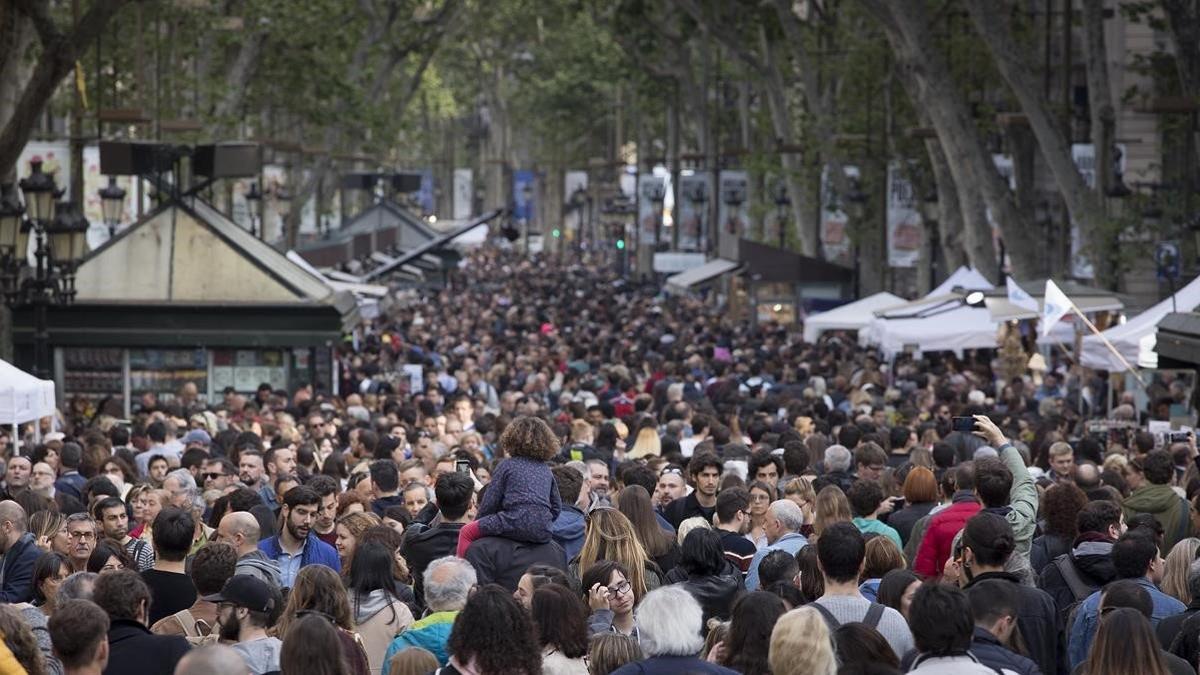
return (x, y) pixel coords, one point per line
(710, 270)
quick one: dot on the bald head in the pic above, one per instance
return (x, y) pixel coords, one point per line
(240, 529)
(12, 523)
(1087, 476)
(212, 660)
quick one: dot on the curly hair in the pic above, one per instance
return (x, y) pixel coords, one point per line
(529, 437)
(18, 636)
(320, 589)
(1061, 505)
(497, 632)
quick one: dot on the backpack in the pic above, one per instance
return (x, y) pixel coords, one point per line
(196, 631)
(871, 620)
(1080, 589)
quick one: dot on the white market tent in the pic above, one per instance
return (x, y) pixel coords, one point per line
(966, 277)
(852, 316)
(1136, 334)
(23, 398)
(938, 322)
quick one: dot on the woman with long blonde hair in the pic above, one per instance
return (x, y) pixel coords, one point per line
(800, 645)
(831, 507)
(1175, 572)
(610, 536)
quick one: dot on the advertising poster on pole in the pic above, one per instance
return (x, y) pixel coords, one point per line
(835, 235)
(651, 192)
(463, 194)
(695, 195)
(903, 219)
(735, 204)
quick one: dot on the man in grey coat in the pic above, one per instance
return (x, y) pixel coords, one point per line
(240, 530)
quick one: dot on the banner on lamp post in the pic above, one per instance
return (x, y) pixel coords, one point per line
(652, 191)
(904, 224)
(464, 193)
(835, 235)
(695, 196)
(735, 203)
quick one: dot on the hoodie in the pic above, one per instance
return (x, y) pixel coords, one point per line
(378, 618)
(256, 564)
(261, 656)
(1167, 507)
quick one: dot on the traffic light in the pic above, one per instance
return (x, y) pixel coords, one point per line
(620, 244)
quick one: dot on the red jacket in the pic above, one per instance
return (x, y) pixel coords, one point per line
(935, 546)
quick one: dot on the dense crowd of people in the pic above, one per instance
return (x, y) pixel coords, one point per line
(547, 469)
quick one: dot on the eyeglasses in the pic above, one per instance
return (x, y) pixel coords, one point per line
(620, 589)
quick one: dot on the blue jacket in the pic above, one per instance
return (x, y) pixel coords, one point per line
(71, 483)
(431, 633)
(568, 530)
(18, 570)
(316, 552)
(1087, 619)
(791, 542)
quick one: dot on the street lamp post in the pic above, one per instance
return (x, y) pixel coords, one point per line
(112, 200)
(60, 235)
(253, 197)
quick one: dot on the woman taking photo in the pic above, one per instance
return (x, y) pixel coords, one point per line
(634, 503)
(379, 616)
(560, 622)
(609, 536)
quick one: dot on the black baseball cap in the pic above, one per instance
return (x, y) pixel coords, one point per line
(245, 591)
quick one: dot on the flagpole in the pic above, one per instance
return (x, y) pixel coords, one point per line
(1111, 347)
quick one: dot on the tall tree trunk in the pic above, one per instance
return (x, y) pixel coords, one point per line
(979, 185)
(57, 59)
(992, 23)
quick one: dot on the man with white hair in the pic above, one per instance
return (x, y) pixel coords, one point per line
(838, 460)
(448, 583)
(669, 623)
(782, 524)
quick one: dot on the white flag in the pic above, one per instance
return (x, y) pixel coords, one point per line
(1054, 306)
(1018, 297)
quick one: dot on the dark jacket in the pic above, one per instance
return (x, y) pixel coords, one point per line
(18, 570)
(500, 560)
(1094, 564)
(1045, 549)
(70, 483)
(686, 507)
(991, 653)
(903, 520)
(134, 649)
(423, 545)
(715, 593)
(672, 665)
(1038, 622)
(1169, 628)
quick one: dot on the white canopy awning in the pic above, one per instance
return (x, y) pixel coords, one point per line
(23, 397)
(851, 316)
(697, 275)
